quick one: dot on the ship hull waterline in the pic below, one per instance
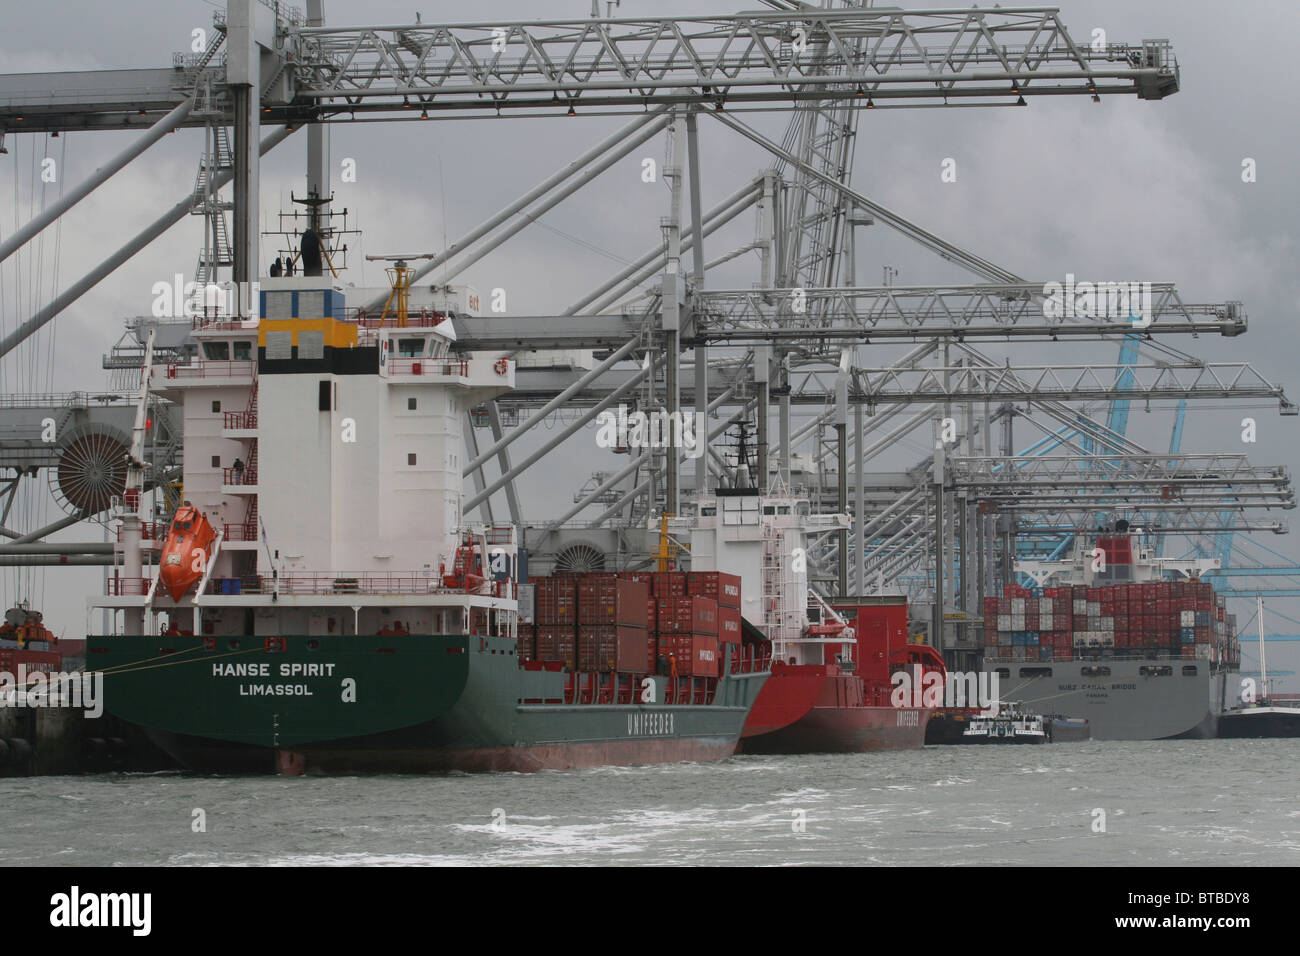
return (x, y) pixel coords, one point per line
(1135, 699)
(409, 704)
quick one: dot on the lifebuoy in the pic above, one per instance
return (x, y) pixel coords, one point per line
(502, 365)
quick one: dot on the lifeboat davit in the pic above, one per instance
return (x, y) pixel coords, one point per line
(463, 576)
(186, 553)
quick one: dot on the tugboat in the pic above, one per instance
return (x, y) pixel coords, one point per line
(1011, 725)
(1269, 714)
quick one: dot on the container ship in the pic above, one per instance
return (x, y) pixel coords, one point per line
(318, 605)
(1109, 639)
(833, 661)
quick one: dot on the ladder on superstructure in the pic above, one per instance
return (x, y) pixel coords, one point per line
(217, 251)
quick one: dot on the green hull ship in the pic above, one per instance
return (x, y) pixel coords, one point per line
(404, 704)
(318, 606)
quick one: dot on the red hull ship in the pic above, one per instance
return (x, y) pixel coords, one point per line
(845, 706)
(830, 689)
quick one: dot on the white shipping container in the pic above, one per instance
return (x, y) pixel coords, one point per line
(1045, 607)
(1094, 608)
(1017, 605)
(1080, 606)
(1004, 622)
(1187, 618)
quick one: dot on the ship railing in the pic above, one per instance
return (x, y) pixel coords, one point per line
(746, 663)
(63, 399)
(1173, 653)
(239, 419)
(220, 321)
(243, 531)
(210, 369)
(239, 476)
(149, 531)
(327, 584)
(421, 319)
(128, 587)
(425, 366)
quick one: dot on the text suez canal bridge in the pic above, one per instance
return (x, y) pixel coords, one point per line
(788, 344)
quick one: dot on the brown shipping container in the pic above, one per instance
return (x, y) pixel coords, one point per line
(696, 654)
(526, 640)
(669, 584)
(688, 616)
(729, 627)
(613, 601)
(597, 647)
(557, 643)
(716, 585)
(635, 650)
(556, 600)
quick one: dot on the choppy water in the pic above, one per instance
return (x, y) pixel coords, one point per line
(1230, 803)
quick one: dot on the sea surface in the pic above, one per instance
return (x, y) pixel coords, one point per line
(1172, 803)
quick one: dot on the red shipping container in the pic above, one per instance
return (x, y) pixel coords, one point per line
(688, 616)
(645, 577)
(557, 643)
(597, 647)
(697, 655)
(556, 600)
(729, 627)
(613, 601)
(669, 584)
(716, 585)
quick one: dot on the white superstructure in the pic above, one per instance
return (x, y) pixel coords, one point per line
(326, 451)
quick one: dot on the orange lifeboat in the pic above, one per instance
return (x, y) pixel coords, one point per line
(186, 553)
(466, 573)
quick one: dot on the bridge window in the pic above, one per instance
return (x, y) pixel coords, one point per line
(216, 351)
(243, 351)
(216, 408)
(410, 348)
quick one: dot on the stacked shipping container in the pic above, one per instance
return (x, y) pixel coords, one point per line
(629, 621)
(1183, 619)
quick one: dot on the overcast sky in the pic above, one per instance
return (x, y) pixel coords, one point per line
(1125, 189)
